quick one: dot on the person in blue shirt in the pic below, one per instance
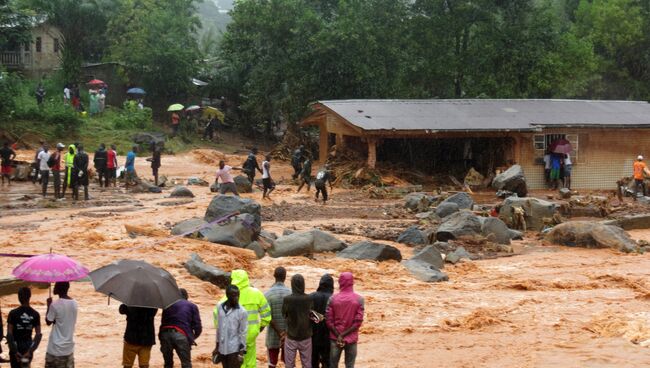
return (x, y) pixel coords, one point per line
(130, 166)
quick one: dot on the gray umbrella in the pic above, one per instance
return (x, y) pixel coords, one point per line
(136, 284)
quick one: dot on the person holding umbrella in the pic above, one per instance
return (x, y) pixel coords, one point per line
(139, 336)
(62, 313)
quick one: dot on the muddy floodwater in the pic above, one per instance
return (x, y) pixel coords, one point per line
(545, 306)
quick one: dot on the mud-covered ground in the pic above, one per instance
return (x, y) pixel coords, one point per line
(546, 306)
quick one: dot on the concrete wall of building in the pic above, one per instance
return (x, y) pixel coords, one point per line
(43, 63)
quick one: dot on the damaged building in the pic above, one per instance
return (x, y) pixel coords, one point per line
(451, 136)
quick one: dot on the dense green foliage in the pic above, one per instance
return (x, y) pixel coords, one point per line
(279, 55)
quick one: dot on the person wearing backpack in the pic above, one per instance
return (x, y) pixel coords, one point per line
(322, 178)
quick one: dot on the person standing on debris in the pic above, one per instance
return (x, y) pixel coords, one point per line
(139, 336)
(156, 152)
(296, 310)
(21, 323)
(320, 342)
(179, 327)
(227, 182)
(80, 173)
(296, 161)
(69, 164)
(568, 167)
(210, 127)
(111, 166)
(232, 328)
(276, 334)
(267, 180)
(129, 166)
(344, 317)
(43, 158)
(250, 165)
(61, 313)
(258, 310)
(640, 169)
(100, 160)
(322, 179)
(7, 155)
(55, 160)
(305, 175)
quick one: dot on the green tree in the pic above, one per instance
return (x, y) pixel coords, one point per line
(14, 25)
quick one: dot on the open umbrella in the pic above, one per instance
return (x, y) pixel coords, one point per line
(561, 146)
(175, 107)
(136, 91)
(50, 268)
(96, 82)
(210, 111)
(136, 284)
(193, 108)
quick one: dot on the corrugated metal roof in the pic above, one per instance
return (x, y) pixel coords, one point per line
(488, 115)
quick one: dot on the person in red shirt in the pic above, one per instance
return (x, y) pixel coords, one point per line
(176, 122)
(640, 169)
(56, 169)
(111, 166)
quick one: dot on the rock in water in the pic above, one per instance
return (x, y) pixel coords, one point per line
(223, 205)
(536, 211)
(463, 223)
(256, 247)
(326, 242)
(565, 193)
(498, 228)
(430, 255)
(591, 234)
(371, 251)
(631, 222)
(181, 191)
(513, 180)
(303, 243)
(462, 199)
(412, 236)
(445, 209)
(196, 267)
(243, 184)
(214, 187)
(415, 201)
(235, 232)
(424, 271)
(455, 256)
(186, 226)
(197, 181)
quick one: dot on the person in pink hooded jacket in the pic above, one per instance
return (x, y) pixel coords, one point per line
(343, 317)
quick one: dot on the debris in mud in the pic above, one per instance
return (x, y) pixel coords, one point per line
(175, 203)
(392, 192)
(412, 236)
(615, 324)
(512, 180)
(538, 213)
(193, 180)
(305, 243)
(376, 231)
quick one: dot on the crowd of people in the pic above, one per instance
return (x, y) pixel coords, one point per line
(557, 170)
(319, 327)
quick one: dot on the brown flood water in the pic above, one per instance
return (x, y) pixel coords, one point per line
(548, 306)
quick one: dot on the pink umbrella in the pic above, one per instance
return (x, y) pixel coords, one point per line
(50, 268)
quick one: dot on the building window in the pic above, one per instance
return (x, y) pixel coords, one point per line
(56, 45)
(39, 44)
(26, 46)
(542, 141)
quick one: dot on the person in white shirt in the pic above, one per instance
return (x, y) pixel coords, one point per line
(61, 313)
(232, 329)
(267, 181)
(66, 95)
(43, 166)
(568, 166)
(547, 168)
(225, 180)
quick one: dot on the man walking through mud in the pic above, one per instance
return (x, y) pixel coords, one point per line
(267, 181)
(322, 179)
(305, 175)
(7, 155)
(344, 317)
(250, 165)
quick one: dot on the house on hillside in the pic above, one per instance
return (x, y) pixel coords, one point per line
(41, 56)
(440, 136)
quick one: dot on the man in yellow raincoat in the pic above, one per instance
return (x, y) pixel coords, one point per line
(259, 313)
(69, 163)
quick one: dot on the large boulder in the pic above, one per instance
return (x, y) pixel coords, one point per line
(591, 234)
(181, 191)
(513, 180)
(196, 267)
(214, 187)
(424, 271)
(243, 184)
(412, 236)
(458, 254)
(631, 222)
(304, 243)
(188, 227)
(536, 211)
(430, 255)
(445, 209)
(256, 247)
(417, 202)
(493, 225)
(371, 251)
(193, 180)
(463, 223)
(237, 231)
(462, 199)
(144, 186)
(221, 206)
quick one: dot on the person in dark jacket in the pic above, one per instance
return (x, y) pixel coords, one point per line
(80, 173)
(100, 160)
(139, 336)
(296, 161)
(250, 165)
(305, 175)
(156, 151)
(320, 342)
(296, 310)
(179, 327)
(322, 179)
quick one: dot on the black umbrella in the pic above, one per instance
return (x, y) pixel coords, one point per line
(136, 284)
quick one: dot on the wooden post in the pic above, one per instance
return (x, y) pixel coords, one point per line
(323, 147)
(340, 141)
(372, 152)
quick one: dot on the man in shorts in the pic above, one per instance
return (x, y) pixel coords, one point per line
(322, 179)
(62, 316)
(6, 155)
(227, 182)
(267, 181)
